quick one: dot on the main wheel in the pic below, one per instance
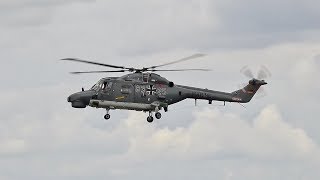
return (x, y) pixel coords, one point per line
(158, 115)
(150, 119)
(107, 116)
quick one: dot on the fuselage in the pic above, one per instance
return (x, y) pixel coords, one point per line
(144, 92)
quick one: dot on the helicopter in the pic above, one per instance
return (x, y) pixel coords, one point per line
(144, 90)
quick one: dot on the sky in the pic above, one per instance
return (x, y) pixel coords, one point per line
(273, 137)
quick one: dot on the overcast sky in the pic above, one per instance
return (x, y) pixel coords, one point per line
(274, 137)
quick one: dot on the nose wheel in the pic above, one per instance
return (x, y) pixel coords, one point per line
(107, 116)
(150, 118)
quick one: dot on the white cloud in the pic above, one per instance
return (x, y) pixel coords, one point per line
(28, 13)
(80, 149)
(213, 132)
(11, 146)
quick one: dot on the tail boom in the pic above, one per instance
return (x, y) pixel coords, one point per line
(243, 95)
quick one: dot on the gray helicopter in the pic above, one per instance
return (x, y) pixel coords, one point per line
(143, 90)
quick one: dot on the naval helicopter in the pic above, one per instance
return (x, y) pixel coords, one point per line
(144, 90)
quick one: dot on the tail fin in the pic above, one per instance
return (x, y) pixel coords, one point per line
(245, 94)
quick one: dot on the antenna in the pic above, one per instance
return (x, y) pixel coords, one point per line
(242, 105)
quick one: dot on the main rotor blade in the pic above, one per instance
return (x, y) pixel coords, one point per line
(247, 72)
(153, 70)
(177, 61)
(263, 73)
(95, 63)
(87, 72)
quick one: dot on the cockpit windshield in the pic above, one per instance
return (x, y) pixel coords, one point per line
(97, 86)
(103, 84)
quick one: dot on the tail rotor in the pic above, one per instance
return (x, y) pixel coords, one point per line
(262, 74)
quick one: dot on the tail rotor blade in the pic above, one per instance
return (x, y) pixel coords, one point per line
(263, 73)
(247, 72)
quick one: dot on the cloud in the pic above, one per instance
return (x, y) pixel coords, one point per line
(129, 30)
(213, 132)
(42, 137)
(78, 143)
(268, 17)
(16, 5)
(28, 13)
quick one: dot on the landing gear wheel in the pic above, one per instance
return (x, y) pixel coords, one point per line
(158, 115)
(150, 119)
(107, 116)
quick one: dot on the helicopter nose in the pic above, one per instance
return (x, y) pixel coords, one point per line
(73, 97)
(80, 99)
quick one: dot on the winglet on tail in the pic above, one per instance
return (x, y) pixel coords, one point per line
(245, 94)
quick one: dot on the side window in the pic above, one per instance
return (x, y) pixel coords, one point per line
(106, 86)
(125, 89)
(145, 77)
(109, 85)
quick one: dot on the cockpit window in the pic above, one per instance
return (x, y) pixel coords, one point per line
(109, 85)
(97, 86)
(106, 86)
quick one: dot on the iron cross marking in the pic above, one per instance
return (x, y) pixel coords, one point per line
(151, 90)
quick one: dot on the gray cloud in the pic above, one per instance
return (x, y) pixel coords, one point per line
(128, 29)
(29, 13)
(269, 16)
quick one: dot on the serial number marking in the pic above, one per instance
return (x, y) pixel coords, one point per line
(200, 94)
